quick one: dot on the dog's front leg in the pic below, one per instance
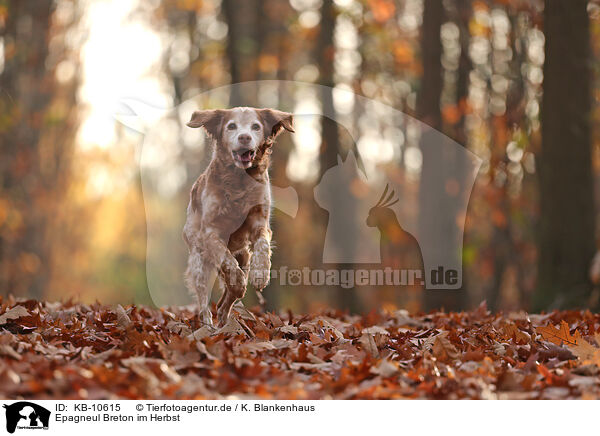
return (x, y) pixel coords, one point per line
(232, 293)
(260, 262)
(199, 279)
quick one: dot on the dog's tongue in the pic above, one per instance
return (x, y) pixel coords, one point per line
(246, 156)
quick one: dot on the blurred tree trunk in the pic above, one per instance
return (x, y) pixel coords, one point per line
(505, 254)
(330, 145)
(566, 239)
(428, 101)
(516, 104)
(275, 44)
(464, 12)
(330, 140)
(330, 136)
(25, 93)
(243, 46)
(428, 111)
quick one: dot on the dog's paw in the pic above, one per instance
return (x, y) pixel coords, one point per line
(206, 317)
(260, 271)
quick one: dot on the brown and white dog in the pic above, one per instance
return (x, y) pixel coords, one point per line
(227, 228)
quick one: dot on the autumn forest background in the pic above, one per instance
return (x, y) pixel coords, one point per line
(515, 82)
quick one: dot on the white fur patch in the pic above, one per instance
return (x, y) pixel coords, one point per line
(209, 202)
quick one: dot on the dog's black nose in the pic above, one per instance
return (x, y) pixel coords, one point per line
(244, 138)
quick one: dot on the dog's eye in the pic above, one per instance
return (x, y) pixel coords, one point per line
(255, 126)
(232, 126)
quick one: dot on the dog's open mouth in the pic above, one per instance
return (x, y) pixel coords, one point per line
(244, 157)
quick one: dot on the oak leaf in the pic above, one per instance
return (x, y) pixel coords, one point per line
(558, 336)
(585, 352)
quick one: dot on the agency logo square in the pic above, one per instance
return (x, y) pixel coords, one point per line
(24, 415)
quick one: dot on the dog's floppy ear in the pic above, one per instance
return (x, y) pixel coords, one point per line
(209, 119)
(275, 121)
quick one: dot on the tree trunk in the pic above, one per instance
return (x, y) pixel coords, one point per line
(25, 92)
(428, 111)
(505, 254)
(243, 40)
(330, 135)
(330, 145)
(465, 66)
(566, 239)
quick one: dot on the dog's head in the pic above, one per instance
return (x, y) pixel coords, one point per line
(242, 131)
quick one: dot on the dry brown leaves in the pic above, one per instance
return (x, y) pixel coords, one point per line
(66, 350)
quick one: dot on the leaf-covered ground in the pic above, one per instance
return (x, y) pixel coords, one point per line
(65, 350)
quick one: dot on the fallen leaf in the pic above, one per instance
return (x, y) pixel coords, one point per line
(241, 310)
(385, 368)
(559, 335)
(7, 350)
(201, 333)
(368, 343)
(443, 349)
(511, 331)
(123, 320)
(232, 327)
(375, 330)
(253, 347)
(290, 329)
(179, 328)
(583, 350)
(14, 313)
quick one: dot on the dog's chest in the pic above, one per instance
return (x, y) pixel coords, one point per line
(228, 206)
